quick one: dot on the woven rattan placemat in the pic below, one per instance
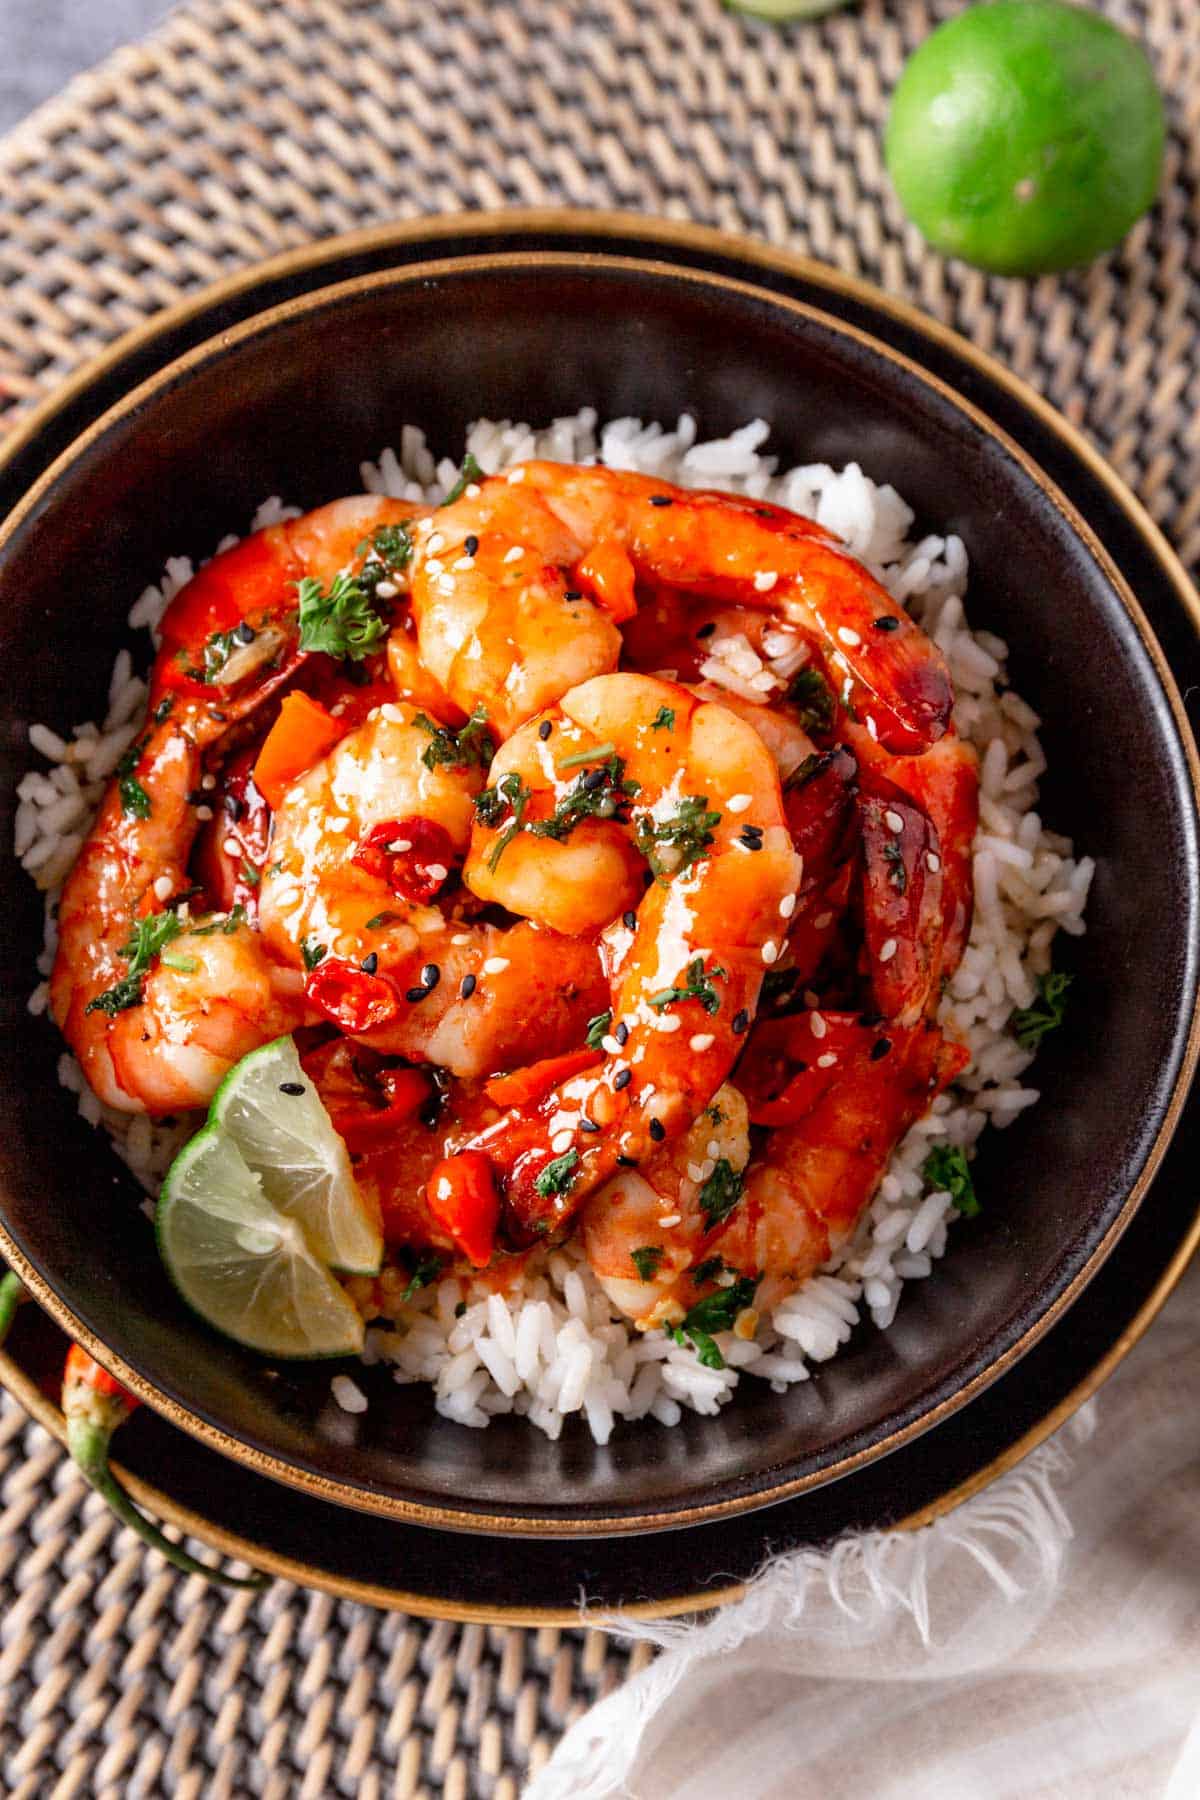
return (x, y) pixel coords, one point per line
(244, 127)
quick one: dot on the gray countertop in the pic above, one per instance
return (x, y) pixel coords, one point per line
(44, 42)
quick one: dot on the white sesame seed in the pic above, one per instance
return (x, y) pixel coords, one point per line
(461, 937)
(712, 1148)
(435, 543)
(765, 580)
(398, 846)
(464, 562)
(703, 1040)
(668, 1022)
(737, 803)
(433, 566)
(787, 906)
(671, 1219)
(162, 887)
(893, 820)
(437, 871)
(695, 1171)
(888, 950)
(764, 681)
(770, 951)
(473, 490)
(819, 1027)
(610, 1045)
(204, 812)
(387, 590)
(514, 475)
(208, 783)
(872, 728)
(933, 861)
(515, 554)
(823, 921)
(562, 1140)
(231, 847)
(846, 636)
(827, 1061)
(495, 965)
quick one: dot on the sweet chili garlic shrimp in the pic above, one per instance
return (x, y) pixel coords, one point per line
(597, 532)
(363, 845)
(629, 775)
(149, 1035)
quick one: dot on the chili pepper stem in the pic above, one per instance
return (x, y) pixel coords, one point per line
(11, 1296)
(88, 1444)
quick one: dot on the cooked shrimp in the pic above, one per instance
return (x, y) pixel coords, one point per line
(628, 771)
(363, 845)
(596, 531)
(148, 1040)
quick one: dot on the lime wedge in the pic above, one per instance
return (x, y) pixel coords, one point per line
(245, 1267)
(274, 1115)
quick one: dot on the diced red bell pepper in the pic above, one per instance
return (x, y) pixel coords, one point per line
(463, 1198)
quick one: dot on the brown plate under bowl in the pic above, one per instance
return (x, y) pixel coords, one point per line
(290, 402)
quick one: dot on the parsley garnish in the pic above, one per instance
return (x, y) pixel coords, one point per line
(893, 855)
(708, 1270)
(558, 1176)
(590, 798)
(665, 720)
(646, 1260)
(134, 799)
(720, 1193)
(150, 937)
(383, 919)
(716, 1312)
(1031, 1023)
(187, 965)
(597, 1030)
(427, 1269)
(698, 985)
(340, 623)
(812, 696)
(509, 795)
(226, 926)
(314, 953)
(688, 834)
(469, 472)
(473, 746)
(947, 1172)
(393, 547)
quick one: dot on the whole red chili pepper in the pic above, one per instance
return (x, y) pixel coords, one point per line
(352, 999)
(94, 1404)
(413, 855)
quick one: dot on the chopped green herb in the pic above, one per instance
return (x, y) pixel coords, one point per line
(134, 799)
(313, 953)
(687, 836)
(708, 1270)
(558, 1176)
(893, 855)
(393, 547)
(698, 985)
(340, 623)
(947, 1172)
(187, 965)
(162, 711)
(249, 874)
(597, 1030)
(646, 1260)
(594, 755)
(472, 747)
(1031, 1023)
(382, 920)
(812, 697)
(226, 926)
(716, 1312)
(216, 653)
(714, 1114)
(427, 1269)
(603, 793)
(149, 939)
(720, 1193)
(804, 772)
(665, 721)
(509, 795)
(469, 472)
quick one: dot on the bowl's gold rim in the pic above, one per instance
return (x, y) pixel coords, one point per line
(443, 1517)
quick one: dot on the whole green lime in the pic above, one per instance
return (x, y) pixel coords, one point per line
(1026, 135)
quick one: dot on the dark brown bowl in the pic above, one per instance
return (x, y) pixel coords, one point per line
(290, 402)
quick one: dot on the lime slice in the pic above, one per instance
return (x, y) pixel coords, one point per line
(242, 1265)
(274, 1115)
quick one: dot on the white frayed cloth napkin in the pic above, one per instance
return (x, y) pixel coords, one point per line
(1041, 1643)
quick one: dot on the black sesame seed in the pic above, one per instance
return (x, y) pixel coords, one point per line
(245, 634)
(661, 500)
(763, 512)
(800, 1068)
(544, 729)
(370, 963)
(707, 630)
(198, 797)
(871, 1020)
(887, 623)
(295, 1088)
(573, 594)
(751, 842)
(627, 1162)
(629, 921)
(468, 987)
(588, 1125)
(880, 1048)
(741, 1023)
(622, 1079)
(658, 1130)
(233, 806)
(622, 1033)
(594, 779)
(412, 995)
(471, 545)
(430, 976)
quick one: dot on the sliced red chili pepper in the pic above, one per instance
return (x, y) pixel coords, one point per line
(413, 855)
(521, 1086)
(362, 1126)
(352, 999)
(462, 1197)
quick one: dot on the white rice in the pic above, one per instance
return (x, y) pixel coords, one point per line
(553, 1346)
